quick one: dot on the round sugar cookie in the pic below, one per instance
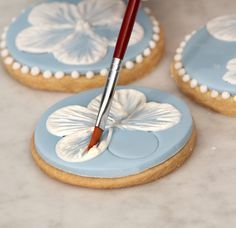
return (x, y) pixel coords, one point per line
(68, 45)
(148, 135)
(204, 66)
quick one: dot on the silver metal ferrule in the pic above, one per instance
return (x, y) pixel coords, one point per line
(108, 93)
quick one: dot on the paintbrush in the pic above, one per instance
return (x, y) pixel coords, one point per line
(120, 49)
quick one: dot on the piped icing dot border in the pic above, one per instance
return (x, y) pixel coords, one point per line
(75, 74)
(35, 71)
(193, 83)
(25, 69)
(16, 66)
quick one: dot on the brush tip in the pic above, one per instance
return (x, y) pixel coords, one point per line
(96, 136)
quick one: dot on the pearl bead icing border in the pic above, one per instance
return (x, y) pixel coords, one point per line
(36, 71)
(193, 83)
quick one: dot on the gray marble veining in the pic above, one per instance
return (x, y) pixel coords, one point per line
(199, 195)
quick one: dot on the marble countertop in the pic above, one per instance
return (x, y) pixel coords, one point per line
(201, 194)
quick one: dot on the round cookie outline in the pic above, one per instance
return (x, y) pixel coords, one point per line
(211, 98)
(10, 62)
(145, 177)
(122, 167)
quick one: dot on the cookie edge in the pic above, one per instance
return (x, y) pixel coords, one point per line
(147, 176)
(69, 84)
(225, 106)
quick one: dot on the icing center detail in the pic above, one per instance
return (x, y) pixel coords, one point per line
(130, 112)
(82, 26)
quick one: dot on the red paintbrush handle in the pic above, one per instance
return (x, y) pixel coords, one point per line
(126, 28)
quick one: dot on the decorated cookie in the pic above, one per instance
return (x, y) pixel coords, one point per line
(205, 65)
(148, 135)
(68, 45)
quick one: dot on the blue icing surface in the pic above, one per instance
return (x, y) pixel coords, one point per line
(205, 59)
(140, 150)
(48, 62)
(118, 148)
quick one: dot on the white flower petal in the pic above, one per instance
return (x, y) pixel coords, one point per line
(40, 40)
(231, 65)
(125, 101)
(71, 119)
(73, 148)
(111, 32)
(137, 34)
(54, 14)
(230, 77)
(102, 12)
(81, 49)
(223, 28)
(152, 116)
(70, 148)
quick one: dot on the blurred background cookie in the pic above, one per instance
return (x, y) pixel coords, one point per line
(204, 66)
(68, 45)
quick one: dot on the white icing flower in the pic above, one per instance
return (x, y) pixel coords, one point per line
(130, 111)
(223, 28)
(230, 75)
(75, 33)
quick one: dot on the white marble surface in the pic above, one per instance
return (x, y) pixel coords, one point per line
(200, 194)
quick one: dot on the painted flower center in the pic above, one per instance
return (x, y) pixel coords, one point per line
(82, 26)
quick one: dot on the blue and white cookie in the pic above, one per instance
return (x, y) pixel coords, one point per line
(205, 65)
(148, 135)
(68, 45)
